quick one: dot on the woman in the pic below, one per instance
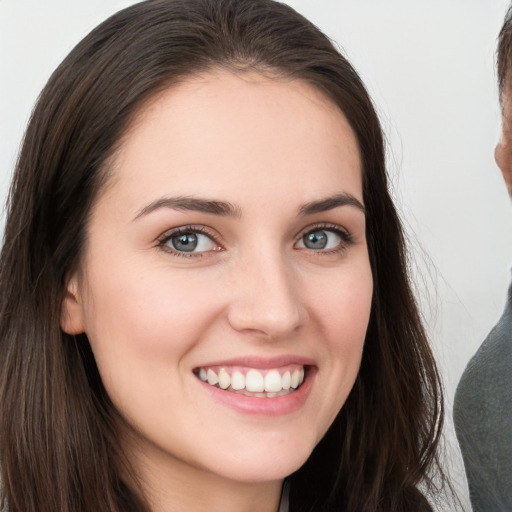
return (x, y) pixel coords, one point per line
(203, 280)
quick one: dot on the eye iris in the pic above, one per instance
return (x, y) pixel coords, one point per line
(315, 240)
(186, 242)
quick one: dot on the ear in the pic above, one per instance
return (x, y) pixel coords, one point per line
(503, 159)
(71, 313)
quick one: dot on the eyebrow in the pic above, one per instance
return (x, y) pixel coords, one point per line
(226, 209)
(329, 203)
(222, 208)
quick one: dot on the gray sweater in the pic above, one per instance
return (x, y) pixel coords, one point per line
(483, 418)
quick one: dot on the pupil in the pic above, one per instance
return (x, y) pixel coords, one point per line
(186, 242)
(315, 240)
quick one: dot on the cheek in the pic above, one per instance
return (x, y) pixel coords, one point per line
(138, 322)
(344, 309)
(145, 303)
(343, 312)
(141, 329)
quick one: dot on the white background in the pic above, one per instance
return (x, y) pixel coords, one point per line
(430, 68)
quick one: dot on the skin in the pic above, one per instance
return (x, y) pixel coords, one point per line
(503, 152)
(268, 147)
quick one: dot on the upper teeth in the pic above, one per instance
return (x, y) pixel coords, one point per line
(253, 380)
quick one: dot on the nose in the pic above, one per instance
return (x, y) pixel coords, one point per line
(265, 298)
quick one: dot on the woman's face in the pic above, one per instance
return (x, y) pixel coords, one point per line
(225, 286)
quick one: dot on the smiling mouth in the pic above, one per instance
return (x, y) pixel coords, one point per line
(269, 383)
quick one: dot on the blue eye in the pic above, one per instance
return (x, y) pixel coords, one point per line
(320, 240)
(189, 241)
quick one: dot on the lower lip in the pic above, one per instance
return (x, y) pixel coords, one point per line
(277, 406)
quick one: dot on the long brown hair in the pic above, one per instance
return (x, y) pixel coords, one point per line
(58, 444)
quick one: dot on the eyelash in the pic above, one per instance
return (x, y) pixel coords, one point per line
(345, 236)
(186, 230)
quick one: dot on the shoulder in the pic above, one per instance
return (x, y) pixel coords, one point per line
(487, 379)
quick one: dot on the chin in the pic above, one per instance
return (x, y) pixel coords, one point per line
(270, 463)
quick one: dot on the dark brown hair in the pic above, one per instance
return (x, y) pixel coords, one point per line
(58, 444)
(504, 51)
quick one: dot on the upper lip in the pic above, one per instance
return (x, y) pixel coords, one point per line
(262, 363)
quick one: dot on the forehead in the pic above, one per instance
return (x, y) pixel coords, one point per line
(225, 94)
(222, 128)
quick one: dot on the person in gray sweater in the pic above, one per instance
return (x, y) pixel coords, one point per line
(483, 400)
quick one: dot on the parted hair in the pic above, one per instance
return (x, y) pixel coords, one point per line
(59, 449)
